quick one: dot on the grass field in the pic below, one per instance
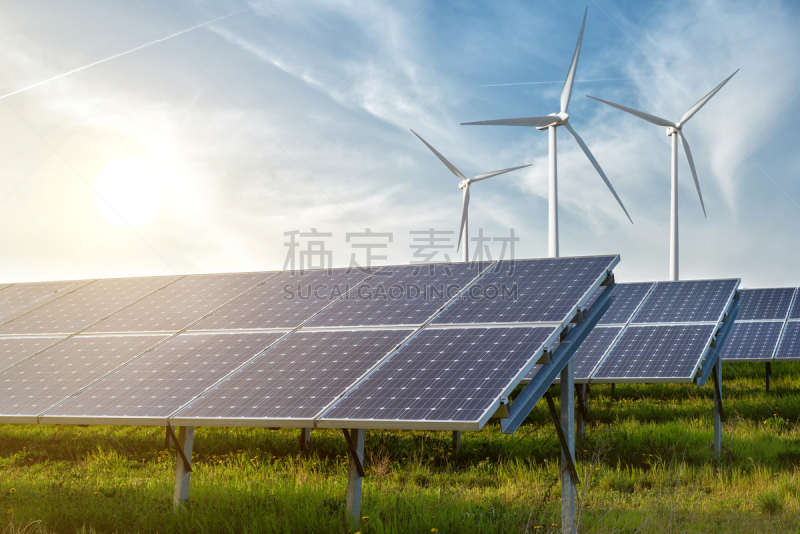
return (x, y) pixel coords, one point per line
(646, 466)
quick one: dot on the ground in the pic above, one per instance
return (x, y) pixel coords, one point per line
(646, 465)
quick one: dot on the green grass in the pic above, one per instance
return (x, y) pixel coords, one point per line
(646, 465)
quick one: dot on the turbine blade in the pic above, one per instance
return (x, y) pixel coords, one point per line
(463, 218)
(444, 160)
(545, 120)
(495, 173)
(596, 166)
(566, 91)
(640, 114)
(694, 109)
(688, 153)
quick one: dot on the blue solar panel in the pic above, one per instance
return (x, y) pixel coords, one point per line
(760, 304)
(529, 291)
(795, 313)
(686, 302)
(592, 350)
(628, 298)
(441, 376)
(789, 348)
(656, 354)
(751, 341)
(400, 295)
(295, 379)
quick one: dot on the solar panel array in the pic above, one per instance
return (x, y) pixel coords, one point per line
(654, 332)
(286, 349)
(765, 328)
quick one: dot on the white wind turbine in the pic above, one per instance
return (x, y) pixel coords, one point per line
(674, 130)
(550, 123)
(464, 185)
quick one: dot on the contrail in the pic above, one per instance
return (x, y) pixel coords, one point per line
(576, 81)
(37, 84)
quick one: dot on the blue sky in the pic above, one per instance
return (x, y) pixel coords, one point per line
(197, 153)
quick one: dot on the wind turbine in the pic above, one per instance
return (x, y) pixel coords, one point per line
(674, 130)
(550, 123)
(464, 185)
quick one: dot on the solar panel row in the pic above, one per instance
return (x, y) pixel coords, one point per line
(444, 375)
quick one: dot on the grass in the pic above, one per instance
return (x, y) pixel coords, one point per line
(646, 465)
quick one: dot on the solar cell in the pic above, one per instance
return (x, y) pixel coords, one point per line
(43, 381)
(181, 303)
(400, 295)
(592, 350)
(664, 353)
(628, 298)
(155, 385)
(754, 341)
(529, 291)
(789, 347)
(20, 298)
(759, 304)
(690, 301)
(285, 301)
(443, 378)
(15, 349)
(79, 309)
(294, 380)
(795, 313)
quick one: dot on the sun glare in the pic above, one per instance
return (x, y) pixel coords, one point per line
(131, 190)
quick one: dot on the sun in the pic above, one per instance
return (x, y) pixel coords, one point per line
(130, 190)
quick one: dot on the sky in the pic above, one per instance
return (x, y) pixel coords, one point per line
(148, 137)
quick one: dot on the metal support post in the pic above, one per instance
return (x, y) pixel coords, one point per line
(355, 472)
(568, 511)
(305, 439)
(718, 414)
(613, 390)
(456, 440)
(769, 375)
(183, 469)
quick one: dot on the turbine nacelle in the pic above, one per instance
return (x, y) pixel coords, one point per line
(559, 119)
(463, 184)
(672, 130)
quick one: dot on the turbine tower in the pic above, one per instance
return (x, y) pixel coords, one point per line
(464, 185)
(674, 130)
(550, 123)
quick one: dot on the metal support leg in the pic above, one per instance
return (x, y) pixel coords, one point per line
(769, 375)
(568, 511)
(717, 372)
(182, 475)
(305, 439)
(456, 440)
(354, 476)
(613, 390)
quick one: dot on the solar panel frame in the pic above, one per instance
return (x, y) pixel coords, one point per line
(51, 416)
(422, 424)
(613, 260)
(284, 422)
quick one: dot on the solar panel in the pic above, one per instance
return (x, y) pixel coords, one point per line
(285, 301)
(759, 304)
(664, 353)
(529, 291)
(79, 309)
(155, 385)
(400, 295)
(43, 381)
(789, 347)
(755, 341)
(795, 313)
(20, 298)
(294, 380)
(443, 378)
(15, 349)
(181, 303)
(691, 301)
(592, 350)
(628, 298)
